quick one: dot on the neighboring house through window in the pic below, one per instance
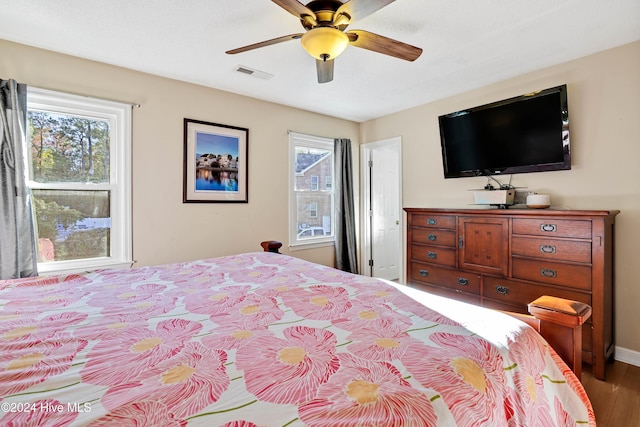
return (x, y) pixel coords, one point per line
(312, 207)
(79, 173)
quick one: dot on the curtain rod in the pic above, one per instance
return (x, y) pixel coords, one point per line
(308, 134)
(132, 104)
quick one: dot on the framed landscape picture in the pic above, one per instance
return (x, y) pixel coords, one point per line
(215, 163)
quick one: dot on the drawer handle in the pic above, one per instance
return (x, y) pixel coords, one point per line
(431, 221)
(462, 281)
(423, 273)
(547, 249)
(432, 237)
(432, 255)
(502, 290)
(549, 228)
(546, 272)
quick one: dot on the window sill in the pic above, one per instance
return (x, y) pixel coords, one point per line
(310, 245)
(72, 267)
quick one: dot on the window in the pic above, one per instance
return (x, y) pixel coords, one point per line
(328, 183)
(311, 206)
(79, 173)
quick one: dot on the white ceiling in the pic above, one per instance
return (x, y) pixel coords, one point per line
(467, 44)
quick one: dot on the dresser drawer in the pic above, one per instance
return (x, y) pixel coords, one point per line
(501, 306)
(550, 227)
(557, 273)
(434, 254)
(553, 249)
(453, 279)
(521, 294)
(435, 221)
(433, 236)
(447, 293)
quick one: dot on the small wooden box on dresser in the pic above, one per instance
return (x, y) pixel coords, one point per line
(504, 259)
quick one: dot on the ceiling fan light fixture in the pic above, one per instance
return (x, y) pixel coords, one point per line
(324, 42)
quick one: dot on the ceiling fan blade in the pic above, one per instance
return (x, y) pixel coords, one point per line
(358, 9)
(377, 43)
(264, 43)
(325, 70)
(297, 9)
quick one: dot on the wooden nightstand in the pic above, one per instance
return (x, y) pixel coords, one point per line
(561, 324)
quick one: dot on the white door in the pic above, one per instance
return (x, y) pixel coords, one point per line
(383, 209)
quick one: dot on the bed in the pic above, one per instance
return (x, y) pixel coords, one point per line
(264, 339)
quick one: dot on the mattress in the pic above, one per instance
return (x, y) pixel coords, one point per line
(263, 339)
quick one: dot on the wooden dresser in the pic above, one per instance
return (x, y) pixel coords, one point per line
(504, 259)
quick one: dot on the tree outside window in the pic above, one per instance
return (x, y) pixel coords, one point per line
(78, 179)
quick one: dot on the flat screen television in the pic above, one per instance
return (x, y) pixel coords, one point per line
(527, 133)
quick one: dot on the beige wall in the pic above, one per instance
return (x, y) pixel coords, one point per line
(165, 229)
(604, 114)
(604, 103)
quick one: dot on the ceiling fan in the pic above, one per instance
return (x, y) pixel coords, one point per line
(325, 22)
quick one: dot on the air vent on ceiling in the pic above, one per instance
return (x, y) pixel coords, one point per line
(253, 72)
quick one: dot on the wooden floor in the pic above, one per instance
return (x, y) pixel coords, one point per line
(616, 401)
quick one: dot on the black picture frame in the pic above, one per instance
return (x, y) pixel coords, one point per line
(216, 163)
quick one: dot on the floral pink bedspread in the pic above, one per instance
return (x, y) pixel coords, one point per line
(266, 340)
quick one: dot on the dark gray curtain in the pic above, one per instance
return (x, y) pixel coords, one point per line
(346, 248)
(18, 256)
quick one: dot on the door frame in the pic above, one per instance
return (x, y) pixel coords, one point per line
(365, 190)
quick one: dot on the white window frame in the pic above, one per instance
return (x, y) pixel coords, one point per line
(298, 139)
(315, 183)
(119, 117)
(313, 209)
